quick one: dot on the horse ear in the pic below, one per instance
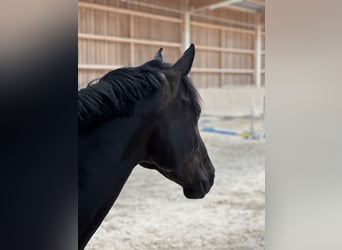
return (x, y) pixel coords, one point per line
(158, 56)
(183, 65)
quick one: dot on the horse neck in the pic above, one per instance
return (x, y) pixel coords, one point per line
(104, 154)
(107, 156)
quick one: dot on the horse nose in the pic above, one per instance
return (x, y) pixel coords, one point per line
(211, 173)
(206, 186)
(212, 177)
(208, 182)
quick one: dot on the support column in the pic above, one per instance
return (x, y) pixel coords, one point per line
(257, 57)
(187, 30)
(222, 56)
(131, 44)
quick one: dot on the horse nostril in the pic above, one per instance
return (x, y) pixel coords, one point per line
(206, 185)
(211, 179)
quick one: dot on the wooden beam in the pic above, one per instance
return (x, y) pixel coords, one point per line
(186, 30)
(127, 12)
(154, 6)
(127, 40)
(131, 35)
(98, 67)
(194, 70)
(241, 9)
(221, 27)
(261, 3)
(221, 49)
(226, 21)
(215, 5)
(218, 70)
(223, 3)
(222, 56)
(257, 64)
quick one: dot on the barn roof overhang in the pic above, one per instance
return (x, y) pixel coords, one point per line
(247, 5)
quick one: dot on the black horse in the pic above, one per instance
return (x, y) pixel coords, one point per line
(144, 115)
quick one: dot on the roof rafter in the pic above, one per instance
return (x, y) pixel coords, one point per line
(215, 5)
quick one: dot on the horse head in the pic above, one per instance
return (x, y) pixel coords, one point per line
(175, 147)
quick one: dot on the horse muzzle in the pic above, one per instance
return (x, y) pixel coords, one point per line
(199, 190)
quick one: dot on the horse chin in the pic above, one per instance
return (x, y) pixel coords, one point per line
(193, 195)
(197, 191)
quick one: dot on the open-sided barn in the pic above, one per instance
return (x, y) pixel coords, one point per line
(229, 37)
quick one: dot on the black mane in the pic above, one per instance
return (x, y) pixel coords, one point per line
(115, 93)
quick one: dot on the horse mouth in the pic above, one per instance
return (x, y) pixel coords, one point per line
(193, 195)
(199, 191)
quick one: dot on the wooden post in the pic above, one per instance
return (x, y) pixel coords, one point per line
(131, 44)
(257, 57)
(187, 30)
(222, 55)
